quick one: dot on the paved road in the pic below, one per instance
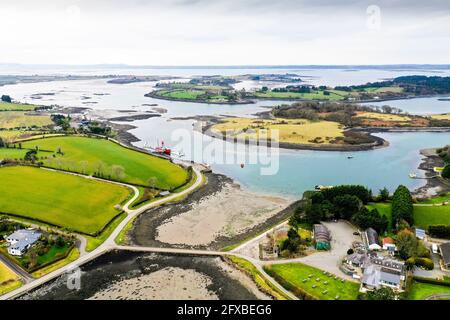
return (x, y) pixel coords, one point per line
(26, 277)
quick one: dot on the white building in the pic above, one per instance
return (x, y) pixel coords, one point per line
(21, 240)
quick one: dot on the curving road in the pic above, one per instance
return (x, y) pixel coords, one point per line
(109, 243)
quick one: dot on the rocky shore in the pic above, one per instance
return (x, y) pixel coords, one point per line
(435, 185)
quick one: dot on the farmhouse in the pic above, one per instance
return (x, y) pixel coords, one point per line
(389, 245)
(21, 240)
(322, 237)
(382, 271)
(445, 253)
(371, 239)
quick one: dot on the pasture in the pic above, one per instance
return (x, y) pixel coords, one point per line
(299, 278)
(109, 160)
(18, 119)
(68, 201)
(299, 131)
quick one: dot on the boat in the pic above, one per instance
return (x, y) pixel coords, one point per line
(413, 175)
(350, 157)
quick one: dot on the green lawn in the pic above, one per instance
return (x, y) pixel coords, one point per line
(5, 106)
(384, 209)
(420, 290)
(296, 275)
(438, 199)
(190, 94)
(11, 153)
(425, 216)
(55, 253)
(89, 155)
(65, 200)
(319, 95)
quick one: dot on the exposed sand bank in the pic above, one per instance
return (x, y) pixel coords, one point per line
(170, 283)
(223, 214)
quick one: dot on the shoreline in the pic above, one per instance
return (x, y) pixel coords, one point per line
(434, 185)
(147, 227)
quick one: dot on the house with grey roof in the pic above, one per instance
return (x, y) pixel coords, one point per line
(21, 240)
(445, 254)
(382, 271)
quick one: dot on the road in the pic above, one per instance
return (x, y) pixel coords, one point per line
(109, 244)
(25, 276)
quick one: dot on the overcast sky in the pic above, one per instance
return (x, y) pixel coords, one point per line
(224, 32)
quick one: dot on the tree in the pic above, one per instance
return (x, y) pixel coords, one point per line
(2, 143)
(346, 206)
(117, 172)
(370, 219)
(313, 213)
(409, 246)
(6, 98)
(31, 155)
(60, 242)
(384, 194)
(446, 172)
(383, 293)
(152, 182)
(402, 206)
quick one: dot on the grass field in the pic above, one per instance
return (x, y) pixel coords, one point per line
(189, 94)
(65, 200)
(318, 95)
(384, 89)
(11, 153)
(441, 116)
(425, 216)
(18, 119)
(421, 291)
(265, 285)
(290, 131)
(8, 279)
(5, 106)
(384, 209)
(313, 281)
(383, 116)
(89, 155)
(438, 199)
(72, 256)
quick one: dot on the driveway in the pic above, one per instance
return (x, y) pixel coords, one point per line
(342, 238)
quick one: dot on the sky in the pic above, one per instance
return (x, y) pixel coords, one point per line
(225, 32)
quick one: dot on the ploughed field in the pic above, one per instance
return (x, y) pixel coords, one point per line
(77, 203)
(109, 160)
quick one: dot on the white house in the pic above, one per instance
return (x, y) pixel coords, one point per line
(21, 240)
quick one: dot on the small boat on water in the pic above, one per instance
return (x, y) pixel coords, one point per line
(413, 175)
(350, 157)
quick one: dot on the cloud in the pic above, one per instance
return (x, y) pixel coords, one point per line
(198, 32)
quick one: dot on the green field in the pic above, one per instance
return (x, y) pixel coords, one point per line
(89, 155)
(11, 153)
(300, 277)
(384, 209)
(425, 216)
(189, 94)
(8, 279)
(421, 291)
(438, 199)
(69, 201)
(5, 106)
(19, 119)
(319, 95)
